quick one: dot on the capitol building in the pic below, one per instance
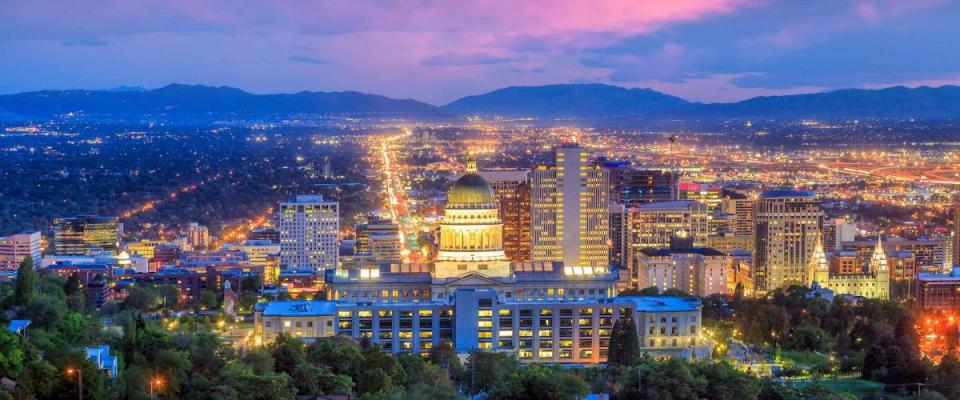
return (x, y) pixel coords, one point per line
(473, 297)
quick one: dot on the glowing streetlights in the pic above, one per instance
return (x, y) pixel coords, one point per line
(157, 383)
(79, 372)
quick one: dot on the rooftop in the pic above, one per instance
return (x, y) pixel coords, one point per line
(294, 308)
(786, 192)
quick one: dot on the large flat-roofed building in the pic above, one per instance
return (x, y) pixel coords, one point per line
(930, 254)
(574, 332)
(309, 232)
(86, 235)
(787, 223)
(939, 292)
(15, 248)
(297, 318)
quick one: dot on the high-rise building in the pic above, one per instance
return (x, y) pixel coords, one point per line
(86, 235)
(619, 235)
(632, 186)
(956, 234)
(569, 207)
(14, 248)
(836, 231)
(380, 240)
(512, 188)
(309, 232)
(653, 224)
(198, 236)
(706, 193)
(740, 205)
(700, 271)
(787, 225)
(930, 254)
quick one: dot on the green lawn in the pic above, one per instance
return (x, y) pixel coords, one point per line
(856, 387)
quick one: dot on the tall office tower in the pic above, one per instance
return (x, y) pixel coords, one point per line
(632, 186)
(198, 236)
(619, 234)
(309, 232)
(836, 231)
(327, 171)
(706, 193)
(787, 225)
(512, 188)
(14, 248)
(569, 210)
(956, 234)
(86, 235)
(740, 205)
(653, 224)
(380, 240)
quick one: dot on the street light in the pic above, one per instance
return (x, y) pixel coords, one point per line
(155, 381)
(79, 372)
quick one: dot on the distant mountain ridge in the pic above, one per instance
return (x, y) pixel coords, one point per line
(183, 100)
(577, 101)
(569, 100)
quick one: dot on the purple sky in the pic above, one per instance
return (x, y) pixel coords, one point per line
(437, 51)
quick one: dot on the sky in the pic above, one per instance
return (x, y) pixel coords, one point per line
(438, 51)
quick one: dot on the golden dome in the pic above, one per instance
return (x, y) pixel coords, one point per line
(471, 191)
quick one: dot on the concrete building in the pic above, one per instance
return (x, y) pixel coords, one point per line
(786, 224)
(309, 232)
(699, 271)
(380, 240)
(619, 235)
(836, 231)
(512, 188)
(15, 248)
(653, 224)
(569, 206)
(86, 235)
(930, 254)
(741, 206)
(633, 186)
(939, 292)
(555, 332)
(708, 194)
(198, 236)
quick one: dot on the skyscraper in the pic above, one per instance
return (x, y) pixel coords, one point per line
(380, 239)
(787, 226)
(198, 236)
(632, 186)
(86, 234)
(740, 205)
(569, 207)
(309, 232)
(956, 233)
(14, 248)
(513, 194)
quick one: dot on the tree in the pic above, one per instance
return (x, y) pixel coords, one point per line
(670, 379)
(809, 338)
(726, 383)
(26, 287)
(484, 369)
(209, 300)
(539, 382)
(946, 377)
(624, 343)
(12, 355)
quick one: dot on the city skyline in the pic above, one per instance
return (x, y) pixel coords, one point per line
(437, 52)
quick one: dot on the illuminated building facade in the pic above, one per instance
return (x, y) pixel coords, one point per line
(512, 189)
(787, 223)
(86, 234)
(471, 233)
(930, 254)
(555, 332)
(708, 194)
(653, 224)
(569, 207)
(15, 248)
(741, 206)
(939, 292)
(309, 232)
(632, 186)
(380, 240)
(198, 236)
(873, 283)
(699, 271)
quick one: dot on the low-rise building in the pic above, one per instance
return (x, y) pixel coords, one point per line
(939, 292)
(548, 331)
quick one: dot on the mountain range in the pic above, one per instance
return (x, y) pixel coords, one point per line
(578, 101)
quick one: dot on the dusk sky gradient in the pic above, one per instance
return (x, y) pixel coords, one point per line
(437, 51)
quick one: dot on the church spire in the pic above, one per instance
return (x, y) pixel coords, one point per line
(819, 267)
